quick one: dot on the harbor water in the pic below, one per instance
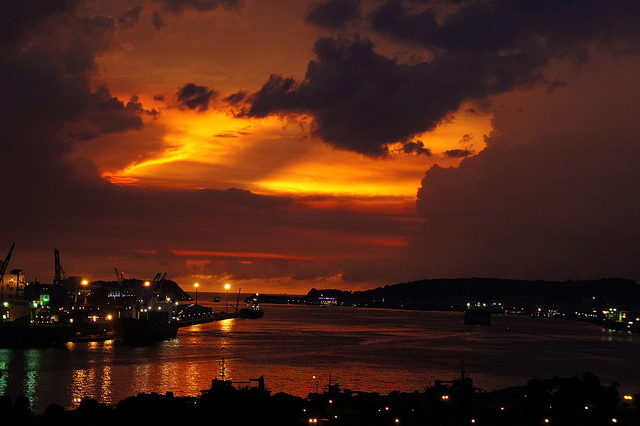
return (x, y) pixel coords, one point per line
(298, 349)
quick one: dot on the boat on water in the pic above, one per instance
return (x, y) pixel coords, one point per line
(477, 316)
(251, 312)
(144, 329)
(25, 322)
(253, 307)
(16, 334)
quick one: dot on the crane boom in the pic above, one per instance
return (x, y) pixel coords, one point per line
(6, 262)
(60, 273)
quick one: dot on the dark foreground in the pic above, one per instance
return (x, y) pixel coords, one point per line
(570, 401)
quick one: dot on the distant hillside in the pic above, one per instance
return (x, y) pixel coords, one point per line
(455, 293)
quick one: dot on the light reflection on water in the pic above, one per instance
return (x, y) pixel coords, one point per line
(362, 349)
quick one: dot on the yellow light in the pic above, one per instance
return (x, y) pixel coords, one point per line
(147, 283)
(227, 286)
(614, 420)
(546, 420)
(109, 317)
(628, 397)
(85, 282)
(445, 397)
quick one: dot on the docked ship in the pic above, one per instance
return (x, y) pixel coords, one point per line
(146, 327)
(148, 319)
(25, 322)
(26, 334)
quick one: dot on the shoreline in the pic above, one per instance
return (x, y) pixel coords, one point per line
(566, 401)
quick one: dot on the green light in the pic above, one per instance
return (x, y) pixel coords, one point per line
(6, 304)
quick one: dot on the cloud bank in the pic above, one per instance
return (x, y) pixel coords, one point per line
(554, 194)
(363, 101)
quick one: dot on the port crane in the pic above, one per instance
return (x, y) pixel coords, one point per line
(60, 275)
(6, 262)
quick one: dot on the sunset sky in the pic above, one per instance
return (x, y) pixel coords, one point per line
(289, 144)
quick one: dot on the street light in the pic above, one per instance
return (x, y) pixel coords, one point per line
(196, 286)
(226, 302)
(84, 283)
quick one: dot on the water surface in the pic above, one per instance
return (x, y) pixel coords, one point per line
(362, 349)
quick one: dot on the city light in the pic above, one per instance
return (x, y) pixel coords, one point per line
(226, 302)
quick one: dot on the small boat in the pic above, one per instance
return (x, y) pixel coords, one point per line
(477, 316)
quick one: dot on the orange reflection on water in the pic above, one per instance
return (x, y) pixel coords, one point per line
(106, 384)
(141, 377)
(226, 325)
(191, 382)
(83, 384)
(169, 376)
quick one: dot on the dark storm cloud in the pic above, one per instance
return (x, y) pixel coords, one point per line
(504, 26)
(46, 101)
(458, 153)
(129, 18)
(179, 6)
(333, 13)
(416, 147)
(363, 101)
(17, 16)
(554, 193)
(44, 84)
(106, 114)
(196, 97)
(237, 98)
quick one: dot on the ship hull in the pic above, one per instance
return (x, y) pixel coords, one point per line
(251, 313)
(29, 335)
(143, 331)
